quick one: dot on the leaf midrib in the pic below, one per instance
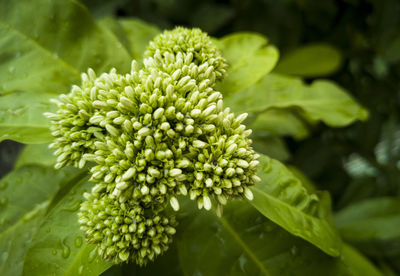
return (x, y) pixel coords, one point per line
(24, 36)
(320, 221)
(248, 251)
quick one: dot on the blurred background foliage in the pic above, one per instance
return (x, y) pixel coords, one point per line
(360, 164)
(355, 163)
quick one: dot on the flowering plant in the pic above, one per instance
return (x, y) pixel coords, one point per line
(161, 120)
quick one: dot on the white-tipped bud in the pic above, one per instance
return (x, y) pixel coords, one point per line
(248, 193)
(208, 110)
(231, 149)
(144, 131)
(195, 113)
(199, 144)
(121, 185)
(144, 190)
(158, 113)
(175, 172)
(242, 163)
(174, 203)
(129, 174)
(112, 130)
(207, 202)
(241, 118)
(183, 190)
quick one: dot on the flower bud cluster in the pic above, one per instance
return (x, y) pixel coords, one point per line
(123, 230)
(151, 135)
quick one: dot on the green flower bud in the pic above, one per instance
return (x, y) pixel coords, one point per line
(151, 135)
(123, 231)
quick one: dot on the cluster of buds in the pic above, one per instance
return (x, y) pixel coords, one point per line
(151, 135)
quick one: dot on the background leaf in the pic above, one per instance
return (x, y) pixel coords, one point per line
(59, 246)
(323, 100)
(139, 34)
(313, 60)
(243, 242)
(36, 154)
(25, 194)
(249, 58)
(22, 119)
(281, 197)
(280, 122)
(373, 226)
(46, 50)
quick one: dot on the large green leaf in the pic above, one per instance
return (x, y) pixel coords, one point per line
(249, 59)
(22, 119)
(243, 242)
(310, 61)
(139, 34)
(322, 100)
(372, 225)
(25, 194)
(59, 247)
(281, 197)
(46, 44)
(280, 122)
(36, 154)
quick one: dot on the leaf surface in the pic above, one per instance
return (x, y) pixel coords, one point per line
(321, 101)
(372, 225)
(313, 60)
(59, 246)
(243, 242)
(39, 154)
(249, 59)
(25, 194)
(282, 198)
(58, 41)
(22, 119)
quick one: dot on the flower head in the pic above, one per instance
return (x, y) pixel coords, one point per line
(151, 135)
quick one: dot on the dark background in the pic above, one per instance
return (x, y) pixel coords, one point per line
(367, 33)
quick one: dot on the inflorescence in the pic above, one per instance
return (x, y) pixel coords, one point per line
(151, 135)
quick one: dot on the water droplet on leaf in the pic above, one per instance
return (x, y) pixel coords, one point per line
(78, 242)
(66, 249)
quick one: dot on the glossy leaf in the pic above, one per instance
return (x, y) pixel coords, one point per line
(249, 59)
(57, 41)
(36, 154)
(22, 119)
(25, 194)
(313, 60)
(280, 122)
(281, 197)
(372, 225)
(243, 242)
(139, 34)
(321, 101)
(59, 246)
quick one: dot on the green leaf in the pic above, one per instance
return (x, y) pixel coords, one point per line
(139, 34)
(271, 146)
(243, 242)
(373, 226)
(59, 246)
(25, 194)
(58, 40)
(22, 119)
(281, 197)
(249, 59)
(313, 60)
(280, 122)
(36, 154)
(321, 101)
